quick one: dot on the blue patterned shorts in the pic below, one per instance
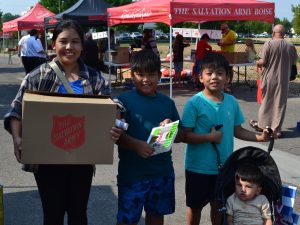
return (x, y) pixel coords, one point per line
(157, 196)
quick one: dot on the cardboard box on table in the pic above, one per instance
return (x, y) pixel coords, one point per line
(236, 57)
(67, 129)
(121, 55)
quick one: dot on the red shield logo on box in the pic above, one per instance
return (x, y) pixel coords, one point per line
(68, 132)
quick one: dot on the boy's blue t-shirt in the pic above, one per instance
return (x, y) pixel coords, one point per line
(144, 113)
(201, 114)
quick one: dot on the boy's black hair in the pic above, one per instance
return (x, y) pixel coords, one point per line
(67, 24)
(213, 60)
(145, 61)
(249, 173)
(33, 32)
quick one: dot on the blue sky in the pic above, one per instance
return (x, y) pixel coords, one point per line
(282, 7)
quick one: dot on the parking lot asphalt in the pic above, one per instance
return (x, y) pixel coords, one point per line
(21, 199)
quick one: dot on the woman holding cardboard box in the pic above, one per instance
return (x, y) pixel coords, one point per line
(63, 188)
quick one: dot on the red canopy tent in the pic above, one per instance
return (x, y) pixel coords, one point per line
(172, 12)
(33, 19)
(6, 35)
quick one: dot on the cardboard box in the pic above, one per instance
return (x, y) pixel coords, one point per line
(236, 57)
(121, 55)
(67, 129)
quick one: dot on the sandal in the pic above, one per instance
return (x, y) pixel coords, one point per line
(254, 125)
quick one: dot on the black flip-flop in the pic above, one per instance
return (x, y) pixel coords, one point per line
(254, 125)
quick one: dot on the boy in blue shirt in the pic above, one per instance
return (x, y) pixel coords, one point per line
(145, 180)
(202, 112)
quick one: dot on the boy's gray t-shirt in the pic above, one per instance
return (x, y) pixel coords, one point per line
(251, 212)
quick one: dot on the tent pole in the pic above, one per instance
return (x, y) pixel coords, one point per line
(45, 39)
(19, 34)
(109, 60)
(3, 41)
(171, 51)
(197, 39)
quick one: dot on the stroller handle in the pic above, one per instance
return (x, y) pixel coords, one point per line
(271, 144)
(219, 164)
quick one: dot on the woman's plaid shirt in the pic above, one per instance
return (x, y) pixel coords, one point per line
(44, 78)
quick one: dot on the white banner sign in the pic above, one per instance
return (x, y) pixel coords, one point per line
(177, 31)
(186, 32)
(99, 35)
(194, 33)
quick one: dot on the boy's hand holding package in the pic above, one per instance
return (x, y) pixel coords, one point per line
(118, 129)
(115, 133)
(144, 150)
(180, 137)
(161, 138)
(164, 122)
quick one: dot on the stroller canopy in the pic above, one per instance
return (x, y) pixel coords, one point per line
(271, 187)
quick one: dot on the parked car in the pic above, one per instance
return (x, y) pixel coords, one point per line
(162, 36)
(249, 35)
(136, 35)
(240, 35)
(124, 36)
(264, 35)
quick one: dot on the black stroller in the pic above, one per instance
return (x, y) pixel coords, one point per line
(271, 187)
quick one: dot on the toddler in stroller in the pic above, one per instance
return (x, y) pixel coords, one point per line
(233, 172)
(246, 205)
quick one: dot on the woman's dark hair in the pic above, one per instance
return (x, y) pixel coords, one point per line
(145, 61)
(147, 34)
(147, 31)
(213, 60)
(204, 36)
(249, 173)
(178, 41)
(67, 24)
